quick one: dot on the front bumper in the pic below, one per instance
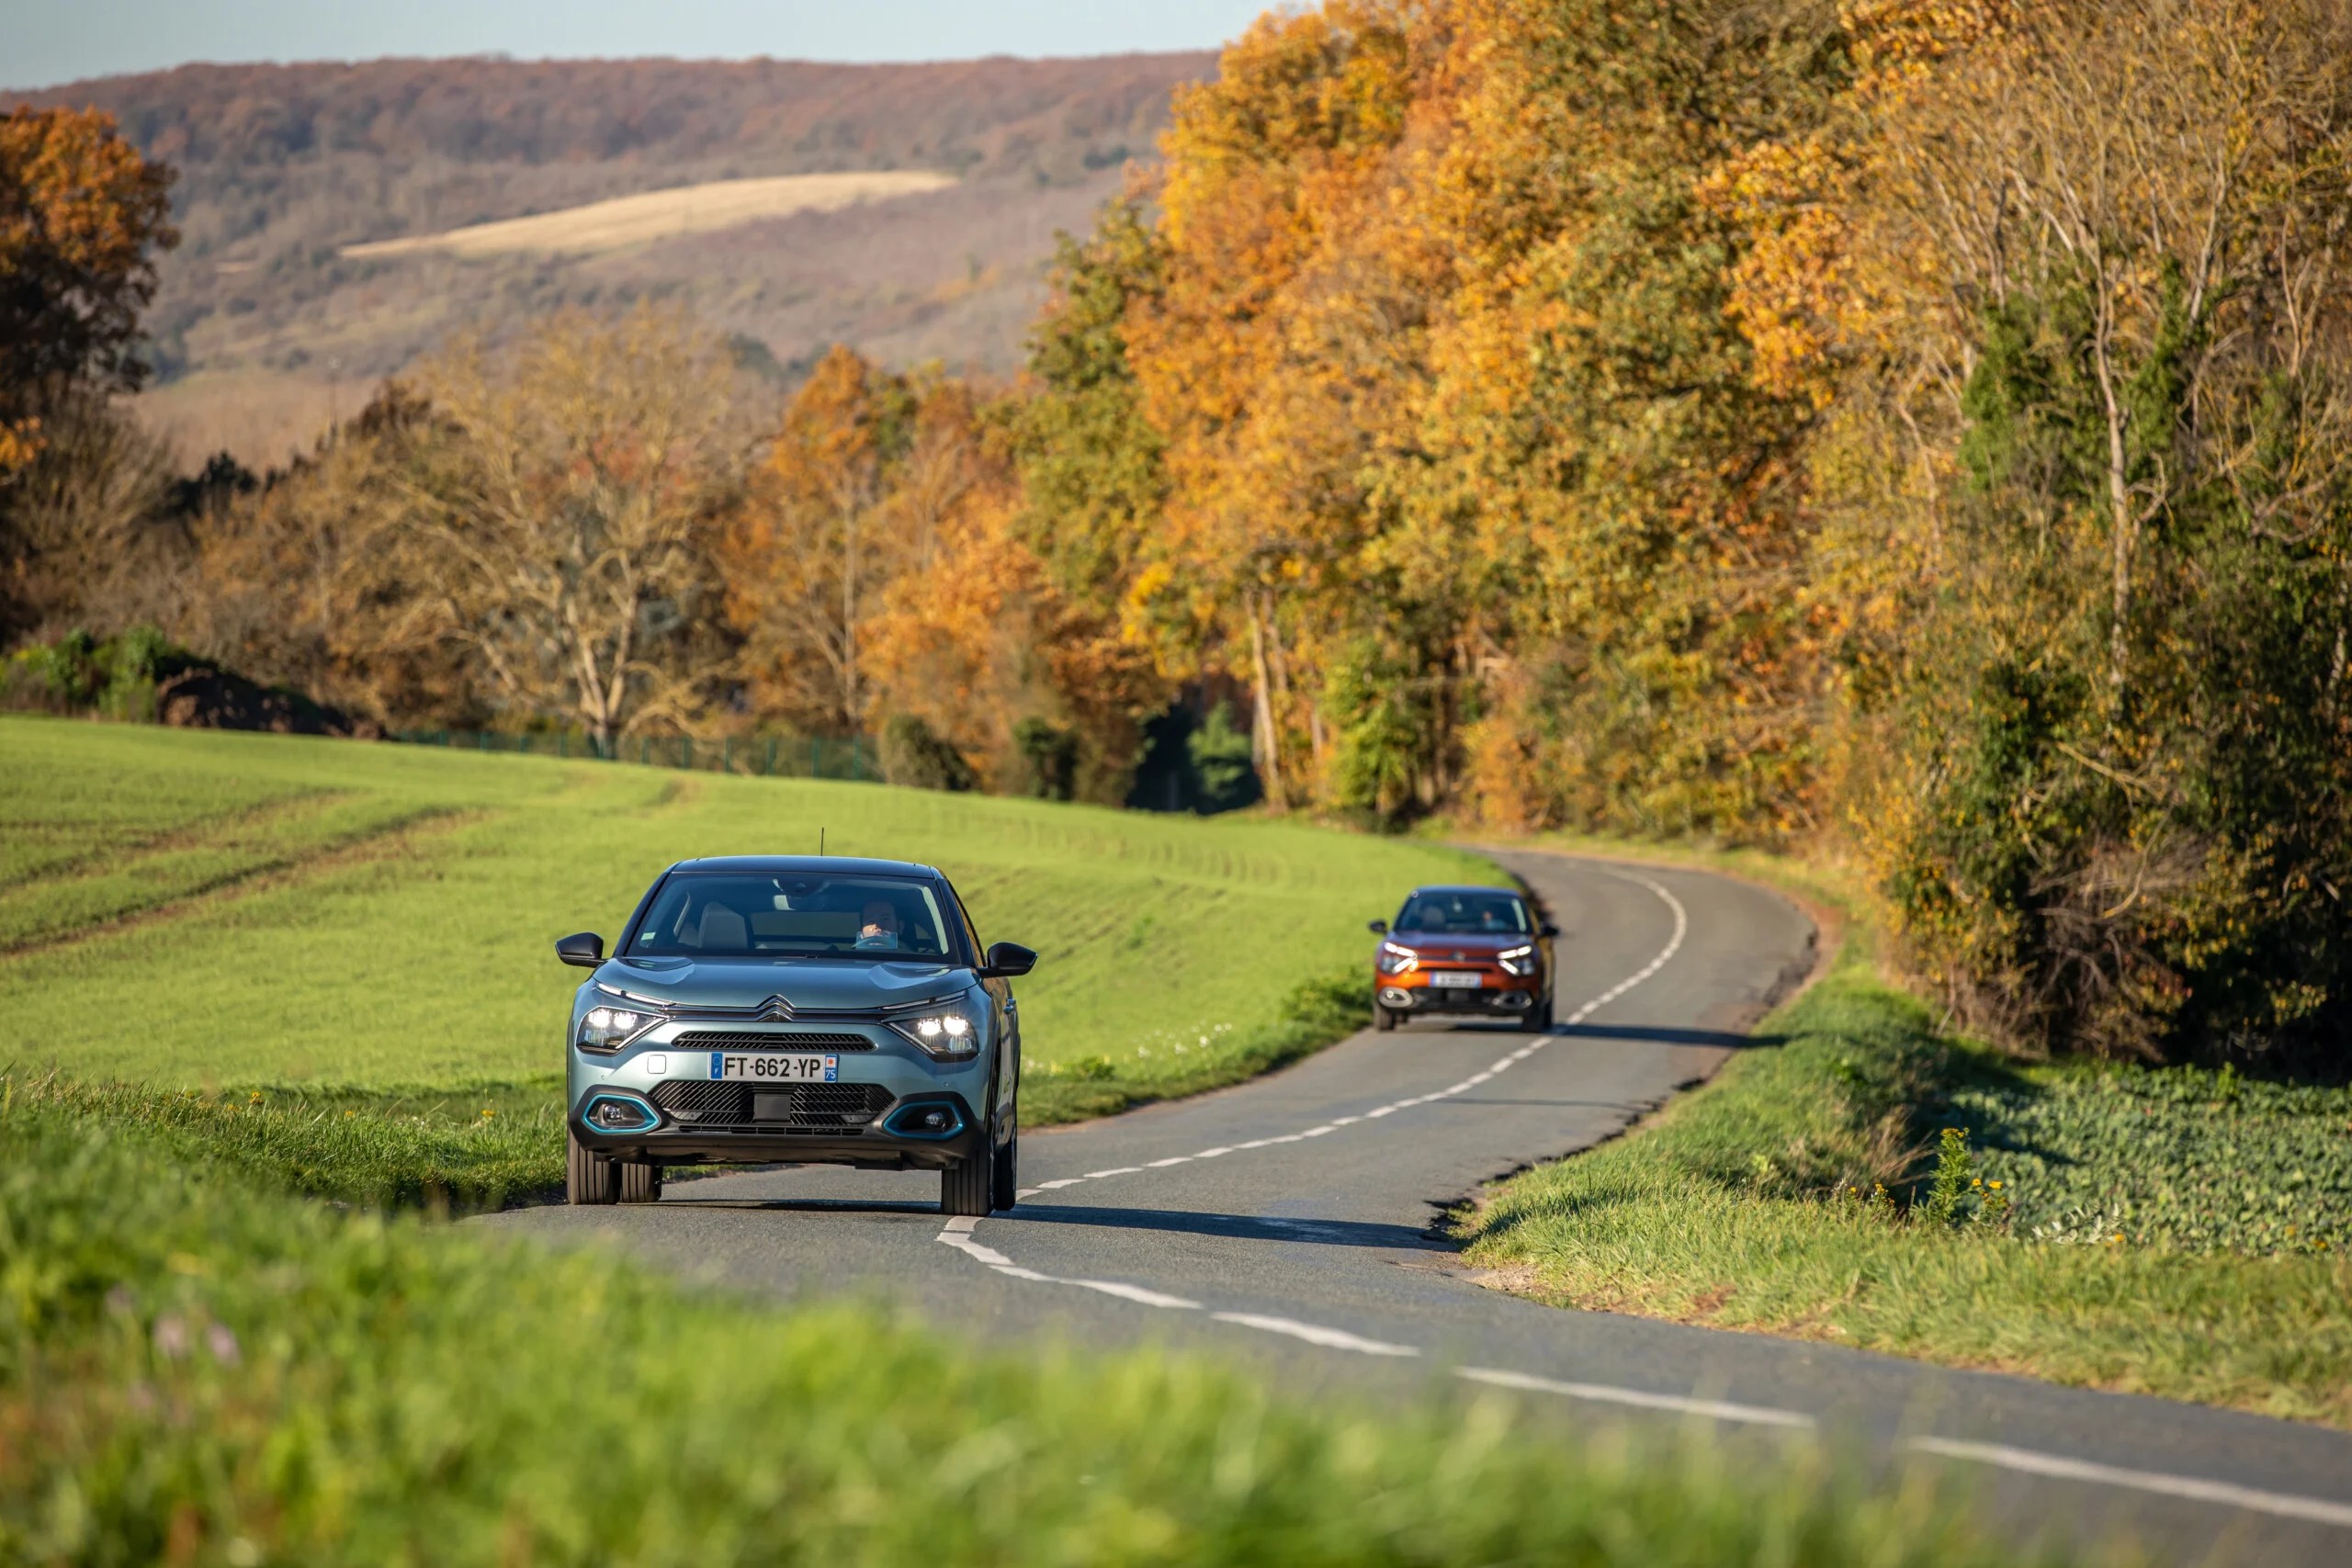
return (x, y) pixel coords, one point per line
(1499, 994)
(871, 1114)
(872, 1147)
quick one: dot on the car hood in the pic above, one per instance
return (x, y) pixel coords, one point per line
(1445, 944)
(805, 983)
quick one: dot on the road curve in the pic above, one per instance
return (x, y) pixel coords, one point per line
(1288, 1222)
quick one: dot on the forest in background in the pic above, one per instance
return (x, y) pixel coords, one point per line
(1916, 427)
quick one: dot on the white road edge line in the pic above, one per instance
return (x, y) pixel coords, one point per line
(1715, 1409)
(2195, 1489)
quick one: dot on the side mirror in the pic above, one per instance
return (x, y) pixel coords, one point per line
(1008, 961)
(1378, 928)
(582, 950)
(1547, 928)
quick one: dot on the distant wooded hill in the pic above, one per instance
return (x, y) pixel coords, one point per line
(263, 327)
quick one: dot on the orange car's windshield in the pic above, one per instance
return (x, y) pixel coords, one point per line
(1465, 914)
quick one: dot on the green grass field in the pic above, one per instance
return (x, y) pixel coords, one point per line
(189, 912)
(188, 909)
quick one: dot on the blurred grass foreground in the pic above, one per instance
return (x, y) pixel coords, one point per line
(194, 1369)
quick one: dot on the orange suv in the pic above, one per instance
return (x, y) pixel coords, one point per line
(1476, 951)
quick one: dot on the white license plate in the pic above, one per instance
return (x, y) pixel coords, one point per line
(1456, 979)
(773, 1067)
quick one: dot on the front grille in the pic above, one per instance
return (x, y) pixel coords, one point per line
(746, 1040)
(809, 1107)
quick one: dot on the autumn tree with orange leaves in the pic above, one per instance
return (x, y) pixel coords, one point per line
(82, 216)
(1466, 477)
(880, 569)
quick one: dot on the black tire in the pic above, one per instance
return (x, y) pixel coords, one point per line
(1007, 1175)
(639, 1183)
(1537, 1019)
(1382, 1018)
(588, 1176)
(969, 1187)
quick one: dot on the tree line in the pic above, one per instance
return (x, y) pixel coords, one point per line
(1919, 427)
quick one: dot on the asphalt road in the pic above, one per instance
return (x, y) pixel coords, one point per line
(1288, 1223)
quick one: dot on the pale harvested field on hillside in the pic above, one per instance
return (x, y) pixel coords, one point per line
(263, 418)
(663, 214)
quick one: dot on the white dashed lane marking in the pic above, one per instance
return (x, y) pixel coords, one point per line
(1502, 1064)
(1713, 1409)
(1315, 1334)
(958, 1233)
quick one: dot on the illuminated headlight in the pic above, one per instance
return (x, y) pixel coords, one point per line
(1396, 959)
(1518, 959)
(942, 1034)
(609, 1029)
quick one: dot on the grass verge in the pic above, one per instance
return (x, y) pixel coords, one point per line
(1726, 1210)
(194, 1370)
(458, 1149)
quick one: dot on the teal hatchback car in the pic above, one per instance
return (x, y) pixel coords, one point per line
(802, 1010)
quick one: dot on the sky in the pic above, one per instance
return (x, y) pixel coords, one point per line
(44, 42)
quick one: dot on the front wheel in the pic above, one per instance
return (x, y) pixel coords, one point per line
(969, 1187)
(1007, 1175)
(1382, 1018)
(588, 1176)
(640, 1183)
(1537, 1019)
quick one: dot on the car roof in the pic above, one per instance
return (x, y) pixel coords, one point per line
(1464, 888)
(801, 866)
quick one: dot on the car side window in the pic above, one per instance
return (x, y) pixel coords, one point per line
(971, 933)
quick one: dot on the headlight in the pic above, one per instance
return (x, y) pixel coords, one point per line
(941, 1033)
(609, 1029)
(1518, 959)
(1396, 959)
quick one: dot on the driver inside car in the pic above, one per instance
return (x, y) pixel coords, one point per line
(877, 926)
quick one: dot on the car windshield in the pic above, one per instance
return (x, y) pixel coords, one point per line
(1470, 913)
(709, 915)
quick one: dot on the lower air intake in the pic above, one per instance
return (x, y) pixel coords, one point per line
(809, 1107)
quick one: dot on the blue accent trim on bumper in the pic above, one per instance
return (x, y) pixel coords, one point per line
(652, 1118)
(891, 1124)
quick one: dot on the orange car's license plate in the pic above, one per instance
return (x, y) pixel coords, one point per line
(1457, 979)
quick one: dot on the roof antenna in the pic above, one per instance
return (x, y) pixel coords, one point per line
(820, 843)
